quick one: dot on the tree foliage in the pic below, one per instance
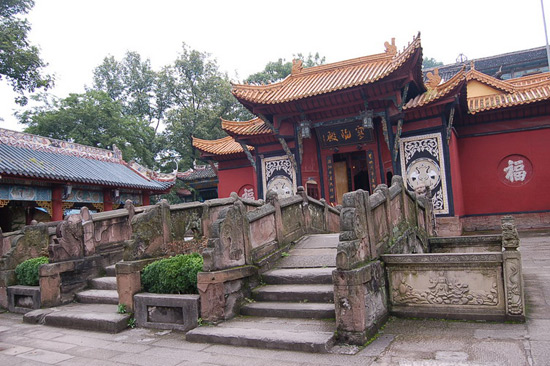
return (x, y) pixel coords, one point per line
(280, 69)
(133, 83)
(20, 62)
(94, 119)
(200, 94)
(430, 62)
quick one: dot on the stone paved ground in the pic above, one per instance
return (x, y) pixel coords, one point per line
(403, 342)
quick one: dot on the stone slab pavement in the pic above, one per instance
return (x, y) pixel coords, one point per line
(403, 342)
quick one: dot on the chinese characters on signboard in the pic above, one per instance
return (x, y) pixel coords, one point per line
(343, 134)
(372, 172)
(331, 186)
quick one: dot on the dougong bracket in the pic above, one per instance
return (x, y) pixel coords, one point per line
(282, 141)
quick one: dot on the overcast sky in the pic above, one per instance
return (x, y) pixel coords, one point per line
(75, 35)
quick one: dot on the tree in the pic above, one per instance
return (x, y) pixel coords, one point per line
(430, 62)
(94, 119)
(20, 62)
(133, 83)
(280, 69)
(200, 94)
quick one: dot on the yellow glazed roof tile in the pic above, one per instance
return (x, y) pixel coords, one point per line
(247, 128)
(307, 82)
(223, 146)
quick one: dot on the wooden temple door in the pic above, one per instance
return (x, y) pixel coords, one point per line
(341, 179)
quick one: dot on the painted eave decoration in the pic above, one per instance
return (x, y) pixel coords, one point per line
(32, 156)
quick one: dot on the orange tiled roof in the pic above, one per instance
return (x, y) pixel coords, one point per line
(303, 83)
(524, 90)
(531, 79)
(505, 86)
(253, 127)
(513, 92)
(437, 92)
(223, 146)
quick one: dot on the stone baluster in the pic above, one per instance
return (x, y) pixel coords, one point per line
(513, 277)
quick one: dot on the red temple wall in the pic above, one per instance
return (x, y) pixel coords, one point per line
(232, 175)
(456, 176)
(421, 125)
(484, 187)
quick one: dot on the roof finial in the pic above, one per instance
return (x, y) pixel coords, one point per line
(433, 79)
(472, 65)
(391, 49)
(296, 66)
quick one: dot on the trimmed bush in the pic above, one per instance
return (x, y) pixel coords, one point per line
(27, 272)
(174, 275)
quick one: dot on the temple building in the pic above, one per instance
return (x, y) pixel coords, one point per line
(200, 183)
(480, 143)
(42, 179)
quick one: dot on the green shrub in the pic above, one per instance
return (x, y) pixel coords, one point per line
(27, 272)
(174, 275)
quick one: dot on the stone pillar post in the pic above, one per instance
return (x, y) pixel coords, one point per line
(305, 210)
(273, 199)
(513, 277)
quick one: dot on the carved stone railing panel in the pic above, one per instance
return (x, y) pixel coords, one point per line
(391, 220)
(460, 285)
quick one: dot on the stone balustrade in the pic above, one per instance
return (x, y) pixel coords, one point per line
(245, 242)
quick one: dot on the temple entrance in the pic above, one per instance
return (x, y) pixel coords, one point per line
(350, 173)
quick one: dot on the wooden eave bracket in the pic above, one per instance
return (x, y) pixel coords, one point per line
(248, 154)
(282, 141)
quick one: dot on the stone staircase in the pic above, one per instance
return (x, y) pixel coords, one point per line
(95, 309)
(294, 310)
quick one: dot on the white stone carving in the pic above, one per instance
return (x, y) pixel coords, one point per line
(515, 171)
(411, 147)
(425, 170)
(274, 165)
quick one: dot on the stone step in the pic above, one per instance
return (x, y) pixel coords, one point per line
(103, 283)
(294, 293)
(97, 297)
(308, 258)
(110, 271)
(92, 317)
(297, 276)
(303, 335)
(289, 310)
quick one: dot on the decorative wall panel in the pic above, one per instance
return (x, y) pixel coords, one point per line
(423, 164)
(279, 176)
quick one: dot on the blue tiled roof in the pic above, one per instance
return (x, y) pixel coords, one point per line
(22, 162)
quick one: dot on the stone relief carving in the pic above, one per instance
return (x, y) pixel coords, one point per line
(412, 147)
(444, 291)
(423, 163)
(514, 298)
(438, 201)
(283, 164)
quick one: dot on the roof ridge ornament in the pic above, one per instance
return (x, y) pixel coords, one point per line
(473, 65)
(433, 79)
(391, 49)
(296, 66)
